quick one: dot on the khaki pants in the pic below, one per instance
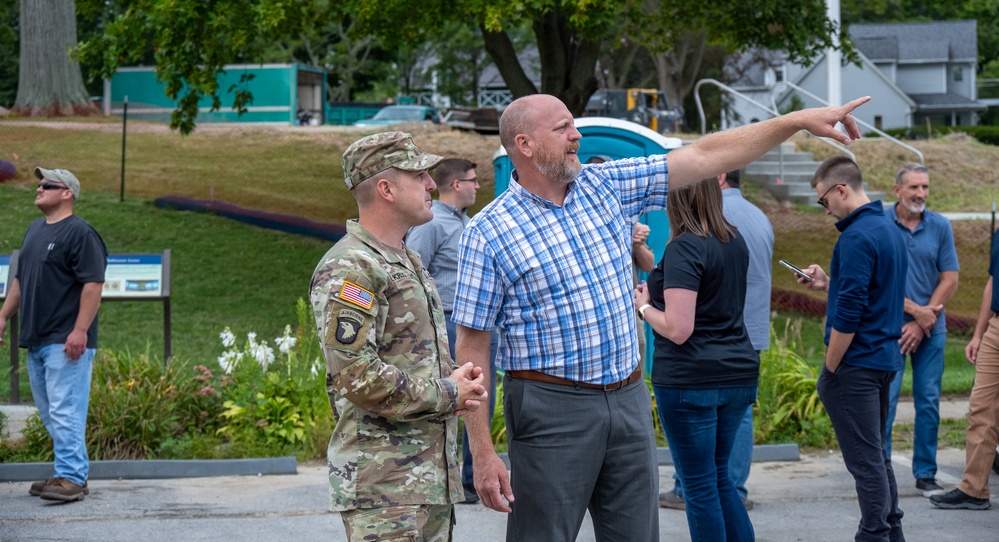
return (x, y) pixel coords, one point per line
(983, 418)
(408, 523)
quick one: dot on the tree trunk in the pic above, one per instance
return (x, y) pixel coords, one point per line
(568, 62)
(50, 82)
(678, 69)
(504, 56)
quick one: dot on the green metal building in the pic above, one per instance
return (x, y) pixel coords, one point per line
(279, 91)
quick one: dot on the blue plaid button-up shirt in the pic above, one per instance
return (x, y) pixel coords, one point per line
(557, 280)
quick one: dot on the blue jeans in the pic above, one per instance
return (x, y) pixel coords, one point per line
(927, 377)
(740, 460)
(467, 474)
(701, 426)
(61, 389)
(857, 402)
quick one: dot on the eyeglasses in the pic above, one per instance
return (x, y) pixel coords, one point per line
(45, 185)
(472, 180)
(822, 201)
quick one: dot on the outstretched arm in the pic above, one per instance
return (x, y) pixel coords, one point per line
(732, 149)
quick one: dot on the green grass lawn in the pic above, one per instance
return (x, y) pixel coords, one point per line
(807, 332)
(224, 273)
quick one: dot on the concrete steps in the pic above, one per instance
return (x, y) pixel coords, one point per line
(792, 183)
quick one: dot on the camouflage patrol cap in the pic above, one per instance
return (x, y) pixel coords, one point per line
(376, 153)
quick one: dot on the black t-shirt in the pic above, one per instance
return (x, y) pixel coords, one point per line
(718, 353)
(56, 260)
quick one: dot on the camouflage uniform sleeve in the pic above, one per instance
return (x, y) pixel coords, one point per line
(384, 375)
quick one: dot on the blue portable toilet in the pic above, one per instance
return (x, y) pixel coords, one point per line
(615, 139)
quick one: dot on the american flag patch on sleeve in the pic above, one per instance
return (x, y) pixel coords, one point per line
(353, 293)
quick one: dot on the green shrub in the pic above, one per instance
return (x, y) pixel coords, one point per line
(34, 446)
(277, 402)
(788, 408)
(136, 404)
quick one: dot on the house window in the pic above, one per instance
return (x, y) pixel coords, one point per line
(877, 122)
(958, 74)
(779, 74)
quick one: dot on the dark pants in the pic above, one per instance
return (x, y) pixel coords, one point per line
(467, 474)
(576, 449)
(857, 402)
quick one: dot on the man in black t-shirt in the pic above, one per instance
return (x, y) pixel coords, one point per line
(57, 287)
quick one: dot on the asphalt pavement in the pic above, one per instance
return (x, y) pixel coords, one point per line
(808, 500)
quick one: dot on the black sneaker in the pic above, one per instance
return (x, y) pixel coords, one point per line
(959, 499)
(929, 487)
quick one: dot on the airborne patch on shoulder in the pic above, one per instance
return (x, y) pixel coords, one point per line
(348, 323)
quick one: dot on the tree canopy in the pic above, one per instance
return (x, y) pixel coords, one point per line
(193, 39)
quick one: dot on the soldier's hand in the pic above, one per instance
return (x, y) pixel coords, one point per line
(492, 482)
(471, 393)
(3, 329)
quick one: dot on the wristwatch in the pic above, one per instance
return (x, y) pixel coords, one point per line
(641, 310)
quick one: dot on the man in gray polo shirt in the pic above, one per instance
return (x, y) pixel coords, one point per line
(756, 229)
(437, 244)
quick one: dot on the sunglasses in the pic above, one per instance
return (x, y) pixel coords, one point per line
(822, 201)
(472, 180)
(45, 185)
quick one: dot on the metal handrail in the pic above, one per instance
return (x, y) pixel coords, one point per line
(773, 101)
(773, 112)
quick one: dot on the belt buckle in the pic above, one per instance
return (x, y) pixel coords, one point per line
(616, 385)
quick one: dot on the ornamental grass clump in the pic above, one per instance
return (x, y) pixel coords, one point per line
(788, 408)
(137, 404)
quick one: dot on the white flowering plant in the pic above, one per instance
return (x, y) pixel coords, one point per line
(278, 399)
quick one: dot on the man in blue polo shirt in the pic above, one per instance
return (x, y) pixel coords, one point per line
(863, 325)
(929, 285)
(549, 263)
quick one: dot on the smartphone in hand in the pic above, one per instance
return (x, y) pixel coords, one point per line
(796, 271)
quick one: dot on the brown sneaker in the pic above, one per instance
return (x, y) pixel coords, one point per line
(38, 487)
(62, 489)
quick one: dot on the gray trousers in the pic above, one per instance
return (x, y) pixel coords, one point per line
(576, 449)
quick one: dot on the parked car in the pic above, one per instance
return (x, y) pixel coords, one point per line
(397, 114)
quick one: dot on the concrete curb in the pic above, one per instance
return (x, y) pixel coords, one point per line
(157, 469)
(761, 453)
(161, 468)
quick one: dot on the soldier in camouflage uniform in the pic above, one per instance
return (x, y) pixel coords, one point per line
(393, 388)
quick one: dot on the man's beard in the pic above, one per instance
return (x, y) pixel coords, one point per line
(558, 167)
(914, 208)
